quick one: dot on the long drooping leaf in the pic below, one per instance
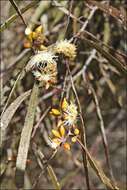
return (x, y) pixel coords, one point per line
(10, 111)
(25, 137)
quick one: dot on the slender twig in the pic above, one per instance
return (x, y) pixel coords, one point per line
(64, 86)
(68, 20)
(110, 10)
(40, 120)
(83, 134)
(102, 129)
(12, 90)
(63, 9)
(121, 66)
(18, 11)
(109, 129)
(85, 32)
(92, 12)
(23, 54)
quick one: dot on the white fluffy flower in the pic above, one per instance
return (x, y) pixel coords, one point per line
(70, 114)
(40, 60)
(46, 74)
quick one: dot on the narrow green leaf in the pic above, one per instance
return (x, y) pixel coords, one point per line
(25, 137)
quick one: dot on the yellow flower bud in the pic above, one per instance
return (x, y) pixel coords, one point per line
(76, 131)
(62, 130)
(39, 29)
(55, 112)
(56, 133)
(66, 146)
(64, 104)
(74, 139)
(42, 48)
(34, 35)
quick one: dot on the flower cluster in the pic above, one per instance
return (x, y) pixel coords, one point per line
(43, 64)
(44, 67)
(66, 126)
(41, 60)
(66, 48)
(68, 112)
(35, 39)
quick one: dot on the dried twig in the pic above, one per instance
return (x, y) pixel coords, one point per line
(40, 120)
(64, 87)
(68, 20)
(114, 61)
(102, 129)
(12, 90)
(94, 43)
(63, 9)
(24, 53)
(49, 168)
(83, 133)
(110, 10)
(109, 129)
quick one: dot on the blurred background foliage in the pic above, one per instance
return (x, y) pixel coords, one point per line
(108, 82)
